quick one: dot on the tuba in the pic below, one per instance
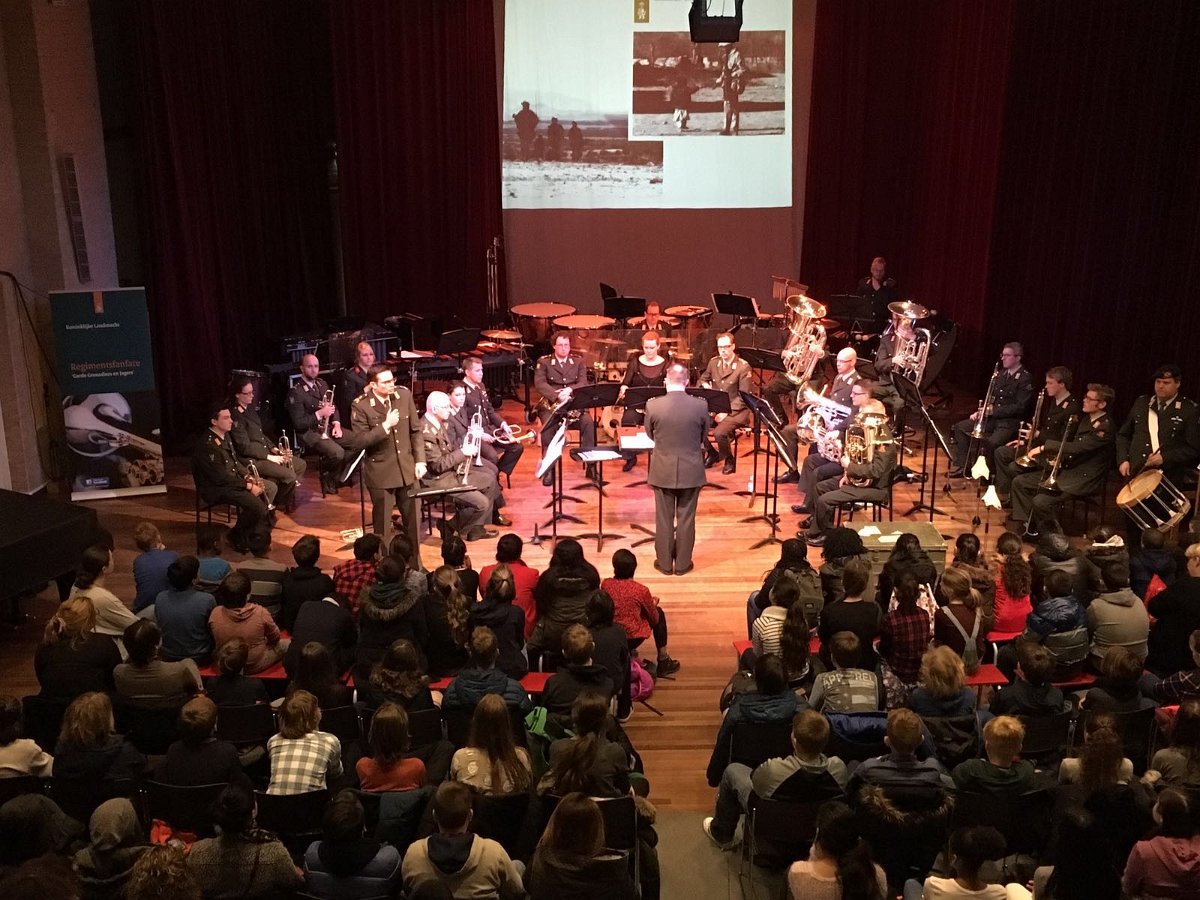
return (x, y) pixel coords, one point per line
(806, 338)
(865, 434)
(911, 353)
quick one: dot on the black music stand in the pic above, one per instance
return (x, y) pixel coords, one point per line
(587, 401)
(624, 307)
(737, 305)
(762, 413)
(764, 420)
(911, 395)
(459, 341)
(856, 312)
(636, 398)
(362, 502)
(552, 455)
(598, 456)
(761, 361)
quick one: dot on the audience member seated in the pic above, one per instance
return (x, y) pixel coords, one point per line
(210, 544)
(578, 674)
(481, 678)
(1101, 761)
(1055, 553)
(491, 762)
(398, 678)
(401, 547)
(345, 864)
(561, 595)
(808, 775)
(387, 768)
(570, 860)
(588, 762)
(905, 636)
(799, 665)
(305, 583)
(182, 613)
(970, 561)
(145, 677)
(611, 648)
(454, 555)
(88, 747)
(942, 691)
(1117, 618)
(351, 578)
(236, 617)
(1177, 764)
(150, 566)
(1116, 689)
(1185, 684)
(327, 622)
(841, 545)
(389, 610)
(73, 658)
(161, 873)
(468, 865)
(302, 757)
(231, 687)
(265, 574)
(446, 614)
(1167, 865)
(315, 673)
(961, 620)
(525, 578)
(907, 557)
(847, 688)
(506, 620)
(112, 616)
(1003, 771)
(793, 555)
(1031, 694)
(117, 842)
(1151, 559)
(839, 866)
(1177, 610)
(33, 825)
(242, 861)
(1014, 583)
(1059, 622)
(970, 848)
(764, 633)
(770, 701)
(198, 757)
(900, 768)
(852, 613)
(19, 756)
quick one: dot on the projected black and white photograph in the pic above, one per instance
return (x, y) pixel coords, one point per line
(724, 90)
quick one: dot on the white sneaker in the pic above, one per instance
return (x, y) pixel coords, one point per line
(726, 845)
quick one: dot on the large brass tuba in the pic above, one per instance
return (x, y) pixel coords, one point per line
(806, 338)
(865, 434)
(911, 353)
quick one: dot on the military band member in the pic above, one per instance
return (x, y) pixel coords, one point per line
(555, 378)
(1161, 432)
(879, 288)
(251, 443)
(730, 373)
(837, 390)
(654, 321)
(222, 478)
(1010, 402)
(1062, 405)
(816, 466)
(644, 370)
(1086, 458)
(457, 427)
(387, 426)
(504, 455)
(310, 413)
(446, 464)
(354, 380)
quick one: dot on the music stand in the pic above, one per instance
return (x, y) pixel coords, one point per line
(598, 456)
(737, 305)
(762, 412)
(552, 458)
(362, 503)
(458, 341)
(624, 307)
(586, 401)
(765, 420)
(638, 442)
(911, 395)
(856, 311)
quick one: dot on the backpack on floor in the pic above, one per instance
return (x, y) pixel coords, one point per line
(641, 684)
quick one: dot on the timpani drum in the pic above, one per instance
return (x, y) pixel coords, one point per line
(535, 321)
(583, 324)
(693, 319)
(1152, 501)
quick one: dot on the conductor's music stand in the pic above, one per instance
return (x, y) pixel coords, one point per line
(911, 395)
(586, 401)
(552, 458)
(598, 456)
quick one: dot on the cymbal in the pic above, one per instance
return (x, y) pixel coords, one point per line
(501, 334)
(805, 306)
(907, 309)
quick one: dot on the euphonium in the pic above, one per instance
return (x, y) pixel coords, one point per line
(911, 355)
(867, 432)
(985, 404)
(1050, 482)
(806, 338)
(1023, 459)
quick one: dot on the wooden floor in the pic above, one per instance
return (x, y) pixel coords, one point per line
(706, 607)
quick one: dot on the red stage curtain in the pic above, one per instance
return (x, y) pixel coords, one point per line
(236, 122)
(418, 155)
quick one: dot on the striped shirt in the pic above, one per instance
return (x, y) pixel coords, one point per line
(767, 629)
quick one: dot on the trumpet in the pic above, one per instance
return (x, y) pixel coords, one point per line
(284, 449)
(1023, 459)
(985, 405)
(512, 434)
(472, 447)
(256, 479)
(326, 401)
(1050, 482)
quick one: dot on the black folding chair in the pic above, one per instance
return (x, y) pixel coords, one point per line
(246, 725)
(753, 743)
(777, 833)
(1138, 732)
(620, 830)
(184, 808)
(343, 723)
(79, 797)
(296, 818)
(425, 727)
(1046, 737)
(42, 720)
(151, 727)
(21, 784)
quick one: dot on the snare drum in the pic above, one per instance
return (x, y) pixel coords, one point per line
(1152, 501)
(535, 321)
(694, 319)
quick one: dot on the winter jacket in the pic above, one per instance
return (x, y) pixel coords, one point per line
(116, 758)
(445, 649)
(472, 867)
(508, 621)
(1055, 615)
(348, 872)
(602, 877)
(1118, 619)
(301, 585)
(561, 601)
(1145, 564)
(570, 681)
(387, 613)
(1054, 551)
(752, 707)
(470, 685)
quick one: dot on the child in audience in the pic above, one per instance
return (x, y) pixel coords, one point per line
(302, 758)
(942, 692)
(345, 863)
(525, 578)
(579, 674)
(970, 848)
(852, 613)
(498, 612)
(905, 636)
(611, 648)
(112, 616)
(242, 860)
(399, 678)
(1059, 621)
(839, 867)
(1013, 584)
(1101, 761)
(1185, 684)
(235, 616)
(800, 665)
(150, 566)
(1116, 690)
(454, 555)
(767, 627)
(19, 755)
(638, 612)
(571, 861)
(387, 769)
(351, 578)
(198, 757)
(231, 687)
(1178, 764)
(1031, 694)
(306, 583)
(589, 761)
(210, 544)
(89, 749)
(316, 674)
(901, 768)
(481, 677)
(1167, 866)
(1003, 771)
(182, 612)
(771, 701)
(491, 762)
(1151, 559)
(146, 677)
(847, 688)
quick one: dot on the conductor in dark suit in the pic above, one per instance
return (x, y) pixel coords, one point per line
(385, 423)
(678, 424)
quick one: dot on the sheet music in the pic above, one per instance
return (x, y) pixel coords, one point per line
(639, 441)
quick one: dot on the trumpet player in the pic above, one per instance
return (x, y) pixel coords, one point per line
(222, 478)
(318, 427)
(838, 391)
(386, 425)
(457, 427)
(1062, 405)
(475, 399)
(868, 461)
(447, 464)
(999, 420)
(251, 442)
(1082, 463)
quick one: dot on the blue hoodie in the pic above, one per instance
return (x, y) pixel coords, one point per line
(751, 707)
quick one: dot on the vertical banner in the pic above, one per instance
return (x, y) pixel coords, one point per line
(110, 401)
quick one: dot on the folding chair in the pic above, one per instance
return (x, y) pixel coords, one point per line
(184, 808)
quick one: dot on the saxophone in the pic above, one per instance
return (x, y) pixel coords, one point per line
(866, 433)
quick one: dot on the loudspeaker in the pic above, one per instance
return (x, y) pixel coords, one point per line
(709, 29)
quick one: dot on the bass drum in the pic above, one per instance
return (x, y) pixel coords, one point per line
(1152, 501)
(535, 321)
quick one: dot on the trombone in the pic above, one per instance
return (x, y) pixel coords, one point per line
(1023, 458)
(1050, 482)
